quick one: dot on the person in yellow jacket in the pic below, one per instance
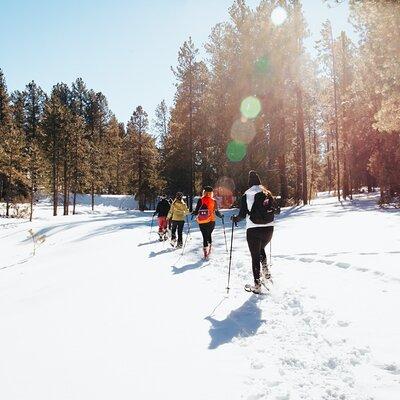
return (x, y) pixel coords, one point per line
(177, 214)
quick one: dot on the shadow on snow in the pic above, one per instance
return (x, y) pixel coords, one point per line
(188, 267)
(242, 322)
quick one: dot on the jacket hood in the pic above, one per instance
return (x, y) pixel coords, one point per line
(253, 190)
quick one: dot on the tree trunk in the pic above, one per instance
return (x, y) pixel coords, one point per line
(54, 178)
(336, 113)
(66, 191)
(92, 194)
(302, 168)
(74, 203)
(283, 179)
(191, 142)
(32, 191)
(329, 166)
(9, 186)
(75, 178)
(1, 188)
(298, 168)
(344, 124)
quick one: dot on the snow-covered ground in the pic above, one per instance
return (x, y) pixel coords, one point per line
(104, 311)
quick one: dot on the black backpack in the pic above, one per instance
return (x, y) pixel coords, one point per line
(263, 210)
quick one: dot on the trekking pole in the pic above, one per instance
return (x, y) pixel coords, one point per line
(223, 227)
(270, 252)
(187, 235)
(151, 226)
(230, 258)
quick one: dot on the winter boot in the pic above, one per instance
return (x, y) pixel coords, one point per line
(256, 288)
(205, 253)
(179, 245)
(165, 235)
(209, 249)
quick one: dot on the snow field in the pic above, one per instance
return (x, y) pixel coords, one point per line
(103, 310)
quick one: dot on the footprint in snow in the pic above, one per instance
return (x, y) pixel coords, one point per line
(307, 260)
(332, 363)
(343, 265)
(257, 365)
(391, 368)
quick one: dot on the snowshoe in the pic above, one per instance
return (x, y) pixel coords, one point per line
(173, 242)
(256, 288)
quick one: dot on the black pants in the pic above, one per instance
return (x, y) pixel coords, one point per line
(207, 230)
(257, 239)
(177, 225)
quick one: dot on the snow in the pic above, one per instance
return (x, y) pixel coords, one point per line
(103, 310)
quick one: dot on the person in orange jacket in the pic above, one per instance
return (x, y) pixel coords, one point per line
(205, 213)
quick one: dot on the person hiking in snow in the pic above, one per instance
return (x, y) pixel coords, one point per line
(205, 213)
(177, 214)
(258, 207)
(162, 210)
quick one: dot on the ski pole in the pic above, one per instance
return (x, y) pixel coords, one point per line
(230, 258)
(270, 252)
(151, 226)
(187, 235)
(223, 227)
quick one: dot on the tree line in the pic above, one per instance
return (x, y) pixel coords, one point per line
(258, 100)
(69, 142)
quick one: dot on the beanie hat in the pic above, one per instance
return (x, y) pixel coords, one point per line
(254, 179)
(208, 189)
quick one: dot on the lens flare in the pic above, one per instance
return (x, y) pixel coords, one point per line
(250, 107)
(278, 16)
(243, 130)
(262, 65)
(236, 151)
(224, 192)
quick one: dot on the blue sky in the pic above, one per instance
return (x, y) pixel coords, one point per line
(123, 48)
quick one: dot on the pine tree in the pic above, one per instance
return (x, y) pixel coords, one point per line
(142, 156)
(11, 146)
(58, 138)
(113, 155)
(185, 73)
(80, 168)
(34, 98)
(161, 121)
(97, 116)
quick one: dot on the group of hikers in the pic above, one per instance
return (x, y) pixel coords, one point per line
(257, 206)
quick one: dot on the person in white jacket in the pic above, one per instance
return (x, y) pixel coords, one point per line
(258, 207)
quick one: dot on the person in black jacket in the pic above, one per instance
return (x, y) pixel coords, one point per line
(162, 210)
(258, 208)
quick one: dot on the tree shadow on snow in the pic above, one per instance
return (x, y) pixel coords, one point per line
(242, 322)
(188, 267)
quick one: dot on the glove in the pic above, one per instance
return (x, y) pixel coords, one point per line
(222, 217)
(154, 214)
(235, 219)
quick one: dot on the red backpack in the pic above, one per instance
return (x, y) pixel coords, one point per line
(206, 210)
